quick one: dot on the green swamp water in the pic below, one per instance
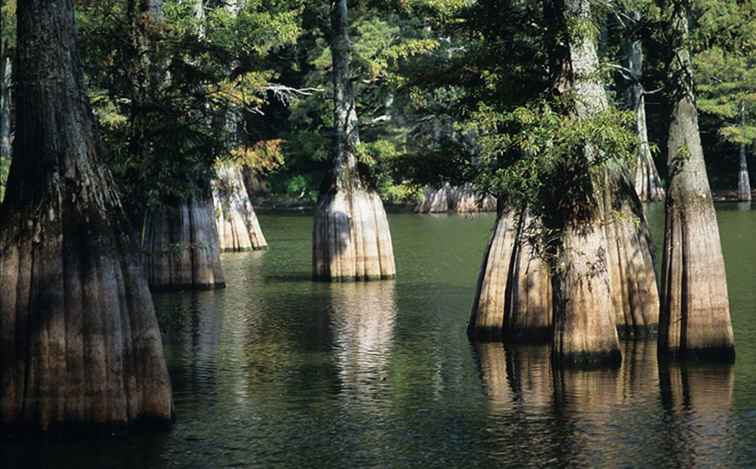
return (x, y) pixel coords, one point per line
(278, 371)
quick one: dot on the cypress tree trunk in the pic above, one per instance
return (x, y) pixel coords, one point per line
(584, 316)
(513, 300)
(351, 236)
(79, 341)
(238, 228)
(695, 314)
(182, 247)
(648, 184)
(455, 199)
(6, 95)
(635, 292)
(744, 180)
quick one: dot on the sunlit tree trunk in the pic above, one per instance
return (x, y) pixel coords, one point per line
(648, 184)
(79, 340)
(351, 235)
(584, 313)
(238, 228)
(744, 179)
(513, 300)
(6, 88)
(695, 314)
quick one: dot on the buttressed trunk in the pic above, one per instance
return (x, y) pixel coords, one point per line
(351, 236)
(635, 291)
(513, 299)
(238, 228)
(695, 314)
(648, 184)
(79, 340)
(181, 246)
(584, 315)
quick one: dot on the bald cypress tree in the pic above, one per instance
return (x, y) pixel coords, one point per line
(695, 314)
(79, 341)
(351, 235)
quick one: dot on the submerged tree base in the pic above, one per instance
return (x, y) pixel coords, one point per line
(182, 248)
(351, 238)
(513, 301)
(455, 199)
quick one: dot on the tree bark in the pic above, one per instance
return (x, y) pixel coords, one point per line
(6, 95)
(744, 179)
(513, 300)
(635, 291)
(648, 184)
(238, 228)
(79, 340)
(181, 246)
(455, 199)
(351, 235)
(695, 314)
(585, 331)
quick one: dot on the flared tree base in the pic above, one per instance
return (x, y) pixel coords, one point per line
(182, 249)
(238, 227)
(513, 301)
(351, 238)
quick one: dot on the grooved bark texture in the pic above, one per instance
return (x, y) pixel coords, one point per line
(238, 228)
(181, 246)
(584, 316)
(695, 314)
(79, 341)
(744, 180)
(450, 198)
(351, 235)
(635, 292)
(352, 239)
(513, 300)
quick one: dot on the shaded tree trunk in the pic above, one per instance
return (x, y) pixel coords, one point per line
(238, 228)
(513, 300)
(351, 235)
(695, 314)
(635, 291)
(181, 246)
(648, 184)
(79, 340)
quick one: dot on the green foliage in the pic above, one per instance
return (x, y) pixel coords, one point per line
(548, 160)
(725, 67)
(173, 94)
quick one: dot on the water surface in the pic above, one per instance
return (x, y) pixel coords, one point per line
(279, 371)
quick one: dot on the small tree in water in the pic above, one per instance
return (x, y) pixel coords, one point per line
(80, 342)
(351, 236)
